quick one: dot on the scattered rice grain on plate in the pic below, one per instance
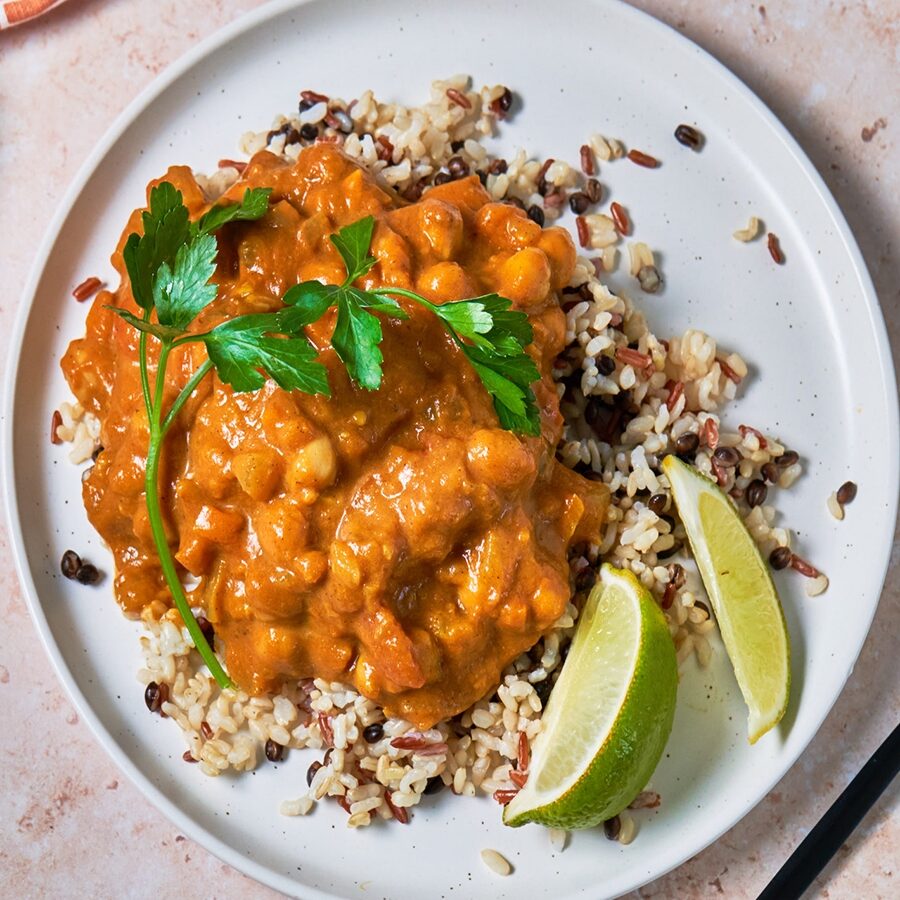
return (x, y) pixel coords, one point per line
(559, 838)
(496, 862)
(749, 232)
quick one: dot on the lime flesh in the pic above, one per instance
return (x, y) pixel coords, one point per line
(609, 715)
(743, 595)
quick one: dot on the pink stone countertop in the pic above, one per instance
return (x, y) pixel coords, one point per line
(829, 71)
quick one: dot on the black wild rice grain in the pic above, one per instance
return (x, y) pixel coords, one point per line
(434, 785)
(152, 696)
(579, 202)
(846, 493)
(756, 492)
(536, 214)
(687, 443)
(70, 563)
(780, 558)
(788, 458)
(457, 167)
(688, 136)
(87, 574)
(727, 456)
(612, 827)
(373, 733)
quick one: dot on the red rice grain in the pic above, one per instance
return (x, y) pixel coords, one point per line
(325, 727)
(411, 741)
(232, 164)
(711, 434)
(620, 218)
(749, 429)
(669, 595)
(398, 812)
(728, 372)
(206, 729)
(314, 97)
(584, 233)
(719, 472)
(460, 99)
(384, 149)
(188, 757)
(645, 800)
(55, 422)
(675, 394)
(803, 567)
(87, 289)
(633, 358)
(774, 248)
(519, 779)
(643, 159)
(587, 160)
(504, 796)
(523, 756)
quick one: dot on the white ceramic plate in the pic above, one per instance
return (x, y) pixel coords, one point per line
(811, 330)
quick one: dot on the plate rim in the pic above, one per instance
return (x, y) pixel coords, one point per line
(174, 71)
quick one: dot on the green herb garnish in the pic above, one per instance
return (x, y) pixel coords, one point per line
(170, 268)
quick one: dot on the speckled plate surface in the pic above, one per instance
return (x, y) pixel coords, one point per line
(811, 330)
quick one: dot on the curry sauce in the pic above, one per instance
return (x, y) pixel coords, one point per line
(399, 540)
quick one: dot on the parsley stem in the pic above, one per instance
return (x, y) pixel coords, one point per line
(154, 513)
(145, 377)
(402, 292)
(186, 392)
(412, 295)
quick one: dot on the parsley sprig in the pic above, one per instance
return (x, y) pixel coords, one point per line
(170, 268)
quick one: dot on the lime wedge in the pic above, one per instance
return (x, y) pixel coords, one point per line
(609, 716)
(743, 596)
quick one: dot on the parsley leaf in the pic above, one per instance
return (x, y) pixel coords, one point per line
(253, 206)
(310, 300)
(180, 293)
(240, 347)
(508, 380)
(353, 243)
(166, 228)
(357, 334)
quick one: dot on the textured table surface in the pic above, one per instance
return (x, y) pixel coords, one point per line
(828, 70)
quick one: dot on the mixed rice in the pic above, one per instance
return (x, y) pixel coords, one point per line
(628, 398)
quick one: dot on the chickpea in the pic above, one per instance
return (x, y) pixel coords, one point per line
(344, 565)
(258, 472)
(560, 250)
(281, 529)
(312, 566)
(445, 281)
(525, 277)
(505, 227)
(314, 466)
(442, 227)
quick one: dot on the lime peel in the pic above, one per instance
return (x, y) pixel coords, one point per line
(610, 714)
(743, 595)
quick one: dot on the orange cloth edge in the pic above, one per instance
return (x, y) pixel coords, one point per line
(17, 11)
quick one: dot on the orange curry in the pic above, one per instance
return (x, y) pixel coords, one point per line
(398, 539)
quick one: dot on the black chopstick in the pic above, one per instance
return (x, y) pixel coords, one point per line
(805, 863)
